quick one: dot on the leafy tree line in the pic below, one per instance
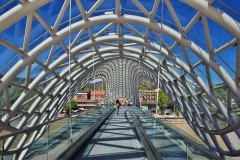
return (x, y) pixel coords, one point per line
(72, 104)
(145, 84)
(164, 101)
(86, 88)
(98, 86)
(222, 94)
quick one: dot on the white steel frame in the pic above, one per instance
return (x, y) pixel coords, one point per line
(212, 119)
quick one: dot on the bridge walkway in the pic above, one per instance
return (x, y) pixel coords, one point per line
(116, 139)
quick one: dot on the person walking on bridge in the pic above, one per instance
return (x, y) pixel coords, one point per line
(118, 105)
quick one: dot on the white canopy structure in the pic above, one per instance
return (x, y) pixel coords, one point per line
(48, 49)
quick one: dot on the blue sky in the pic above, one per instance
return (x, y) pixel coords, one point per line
(96, 80)
(219, 36)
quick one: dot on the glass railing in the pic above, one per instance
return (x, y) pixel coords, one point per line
(168, 143)
(57, 136)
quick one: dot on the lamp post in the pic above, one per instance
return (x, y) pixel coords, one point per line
(157, 107)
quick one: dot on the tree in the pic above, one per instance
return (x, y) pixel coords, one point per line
(145, 84)
(86, 88)
(221, 93)
(99, 85)
(163, 100)
(177, 112)
(72, 105)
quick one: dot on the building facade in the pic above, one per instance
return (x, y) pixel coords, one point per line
(98, 97)
(87, 99)
(147, 96)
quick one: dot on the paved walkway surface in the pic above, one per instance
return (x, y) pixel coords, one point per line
(115, 140)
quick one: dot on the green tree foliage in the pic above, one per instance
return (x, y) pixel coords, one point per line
(177, 112)
(221, 93)
(99, 86)
(86, 88)
(72, 105)
(163, 100)
(145, 84)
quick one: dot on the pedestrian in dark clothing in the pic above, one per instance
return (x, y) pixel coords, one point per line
(118, 105)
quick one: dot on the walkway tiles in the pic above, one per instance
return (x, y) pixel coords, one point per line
(115, 140)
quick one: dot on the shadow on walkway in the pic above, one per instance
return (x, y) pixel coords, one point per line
(115, 140)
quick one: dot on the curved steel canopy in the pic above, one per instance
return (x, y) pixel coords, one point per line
(191, 73)
(120, 76)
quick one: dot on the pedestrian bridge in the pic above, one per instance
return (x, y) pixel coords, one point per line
(102, 134)
(50, 49)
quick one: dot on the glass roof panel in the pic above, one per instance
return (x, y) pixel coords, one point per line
(14, 93)
(177, 69)
(15, 33)
(230, 7)
(197, 35)
(44, 56)
(79, 55)
(200, 70)
(38, 34)
(75, 14)
(129, 8)
(69, 37)
(167, 17)
(8, 59)
(147, 4)
(192, 56)
(152, 37)
(177, 52)
(50, 75)
(65, 23)
(87, 5)
(57, 53)
(83, 38)
(150, 52)
(35, 70)
(59, 70)
(13, 49)
(227, 59)
(125, 31)
(192, 84)
(217, 33)
(5, 5)
(20, 78)
(215, 78)
(97, 28)
(168, 40)
(50, 11)
(140, 28)
(105, 8)
(184, 12)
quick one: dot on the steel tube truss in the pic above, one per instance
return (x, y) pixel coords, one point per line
(34, 84)
(120, 77)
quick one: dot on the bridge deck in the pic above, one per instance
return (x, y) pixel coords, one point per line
(115, 140)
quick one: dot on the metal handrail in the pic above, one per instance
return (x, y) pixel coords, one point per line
(186, 137)
(150, 150)
(72, 151)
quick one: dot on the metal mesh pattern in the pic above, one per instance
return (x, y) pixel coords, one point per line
(121, 77)
(194, 44)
